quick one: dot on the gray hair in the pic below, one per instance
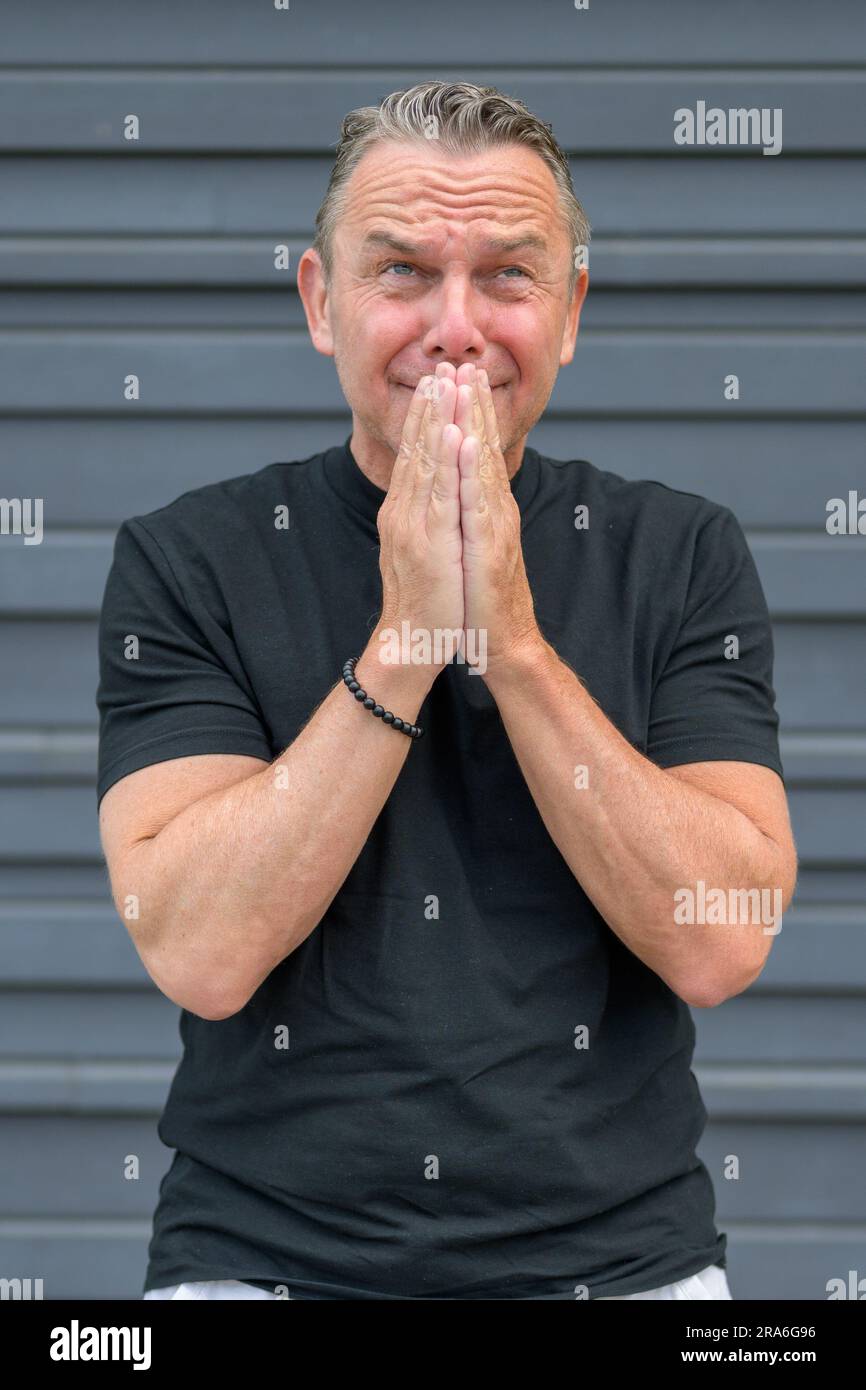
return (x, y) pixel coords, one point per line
(465, 119)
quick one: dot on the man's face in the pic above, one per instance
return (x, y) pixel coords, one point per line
(418, 279)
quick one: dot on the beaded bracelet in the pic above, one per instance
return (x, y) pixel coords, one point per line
(410, 730)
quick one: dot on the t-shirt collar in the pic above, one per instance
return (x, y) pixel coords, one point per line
(355, 489)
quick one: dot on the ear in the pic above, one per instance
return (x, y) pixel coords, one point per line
(569, 334)
(314, 297)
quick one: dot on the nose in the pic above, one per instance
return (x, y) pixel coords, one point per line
(454, 330)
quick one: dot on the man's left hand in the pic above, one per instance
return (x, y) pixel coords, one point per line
(497, 597)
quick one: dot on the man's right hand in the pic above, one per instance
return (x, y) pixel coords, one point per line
(421, 542)
(209, 939)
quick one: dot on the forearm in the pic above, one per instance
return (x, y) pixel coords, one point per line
(238, 879)
(634, 835)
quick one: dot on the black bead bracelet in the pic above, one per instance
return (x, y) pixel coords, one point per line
(410, 730)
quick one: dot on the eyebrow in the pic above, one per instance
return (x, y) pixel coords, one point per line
(495, 245)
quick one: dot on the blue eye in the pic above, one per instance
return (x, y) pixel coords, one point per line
(396, 266)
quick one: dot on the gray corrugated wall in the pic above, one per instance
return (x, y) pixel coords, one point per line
(157, 258)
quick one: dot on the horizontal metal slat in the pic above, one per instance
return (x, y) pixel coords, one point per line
(277, 197)
(770, 1093)
(802, 575)
(93, 471)
(760, 264)
(592, 111)
(70, 755)
(823, 1186)
(334, 37)
(258, 372)
(102, 1021)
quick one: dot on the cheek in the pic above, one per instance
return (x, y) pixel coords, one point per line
(522, 331)
(383, 326)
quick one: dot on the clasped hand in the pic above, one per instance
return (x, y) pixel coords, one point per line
(449, 528)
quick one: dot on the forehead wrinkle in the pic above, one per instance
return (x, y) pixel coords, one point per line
(431, 212)
(506, 179)
(479, 242)
(421, 207)
(428, 222)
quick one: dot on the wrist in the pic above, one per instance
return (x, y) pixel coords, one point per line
(520, 664)
(399, 686)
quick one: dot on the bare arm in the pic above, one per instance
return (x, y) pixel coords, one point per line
(636, 834)
(234, 861)
(233, 882)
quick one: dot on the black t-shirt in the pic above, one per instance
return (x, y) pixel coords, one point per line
(434, 1129)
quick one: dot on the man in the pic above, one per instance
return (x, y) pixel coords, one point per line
(420, 912)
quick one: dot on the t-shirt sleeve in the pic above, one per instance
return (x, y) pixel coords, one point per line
(714, 698)
(171, 683)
